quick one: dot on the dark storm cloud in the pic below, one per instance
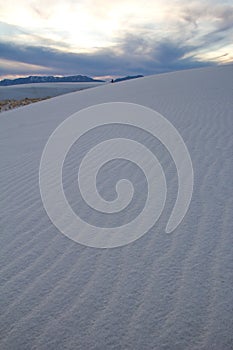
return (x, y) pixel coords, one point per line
(164, 56)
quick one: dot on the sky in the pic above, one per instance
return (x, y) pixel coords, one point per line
(111, 38)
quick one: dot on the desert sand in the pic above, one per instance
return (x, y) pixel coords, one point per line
(161, 292)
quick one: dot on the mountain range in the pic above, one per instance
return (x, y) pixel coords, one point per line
(54, 79)
(49, 79)
(128, 78)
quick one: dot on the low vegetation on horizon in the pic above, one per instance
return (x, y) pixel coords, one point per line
(6, 105)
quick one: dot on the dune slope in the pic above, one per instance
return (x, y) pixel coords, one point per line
(163, 291)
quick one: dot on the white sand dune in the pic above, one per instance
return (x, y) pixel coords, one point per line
(41, 90)
(164, 291)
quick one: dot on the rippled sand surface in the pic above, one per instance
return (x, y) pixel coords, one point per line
(163, 291)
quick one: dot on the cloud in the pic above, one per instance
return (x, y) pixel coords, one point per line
(13, 68)
(180, 36)
(164, 56)
(211, 19)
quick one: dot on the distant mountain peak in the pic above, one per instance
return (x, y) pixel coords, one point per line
(128, 77)
(49, 79)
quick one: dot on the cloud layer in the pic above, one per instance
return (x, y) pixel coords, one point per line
(97, 38)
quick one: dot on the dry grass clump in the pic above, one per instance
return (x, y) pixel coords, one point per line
(6, 105)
